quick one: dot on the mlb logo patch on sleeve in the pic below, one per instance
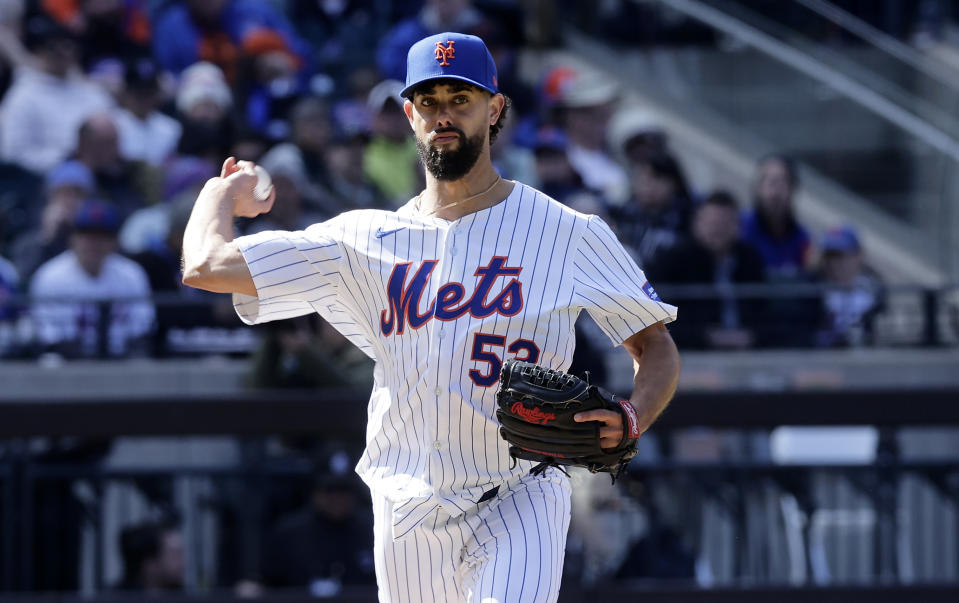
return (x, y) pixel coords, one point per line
(650, 292)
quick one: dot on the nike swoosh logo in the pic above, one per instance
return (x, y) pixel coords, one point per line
(380, 233)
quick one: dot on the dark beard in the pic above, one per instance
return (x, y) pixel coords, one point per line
(451, 165)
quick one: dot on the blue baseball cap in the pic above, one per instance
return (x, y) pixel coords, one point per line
(95, 215)
(842, 239)
(450, 55)
(71, 173)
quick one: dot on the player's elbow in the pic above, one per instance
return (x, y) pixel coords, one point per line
(200, 272)
(219, 278)
(197, 275)
(221, 269)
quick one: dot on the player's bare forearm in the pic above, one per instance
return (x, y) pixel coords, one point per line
(211, 259)
(656, 363)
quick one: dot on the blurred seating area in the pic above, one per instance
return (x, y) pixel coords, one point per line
(114, 114)
(150, 442)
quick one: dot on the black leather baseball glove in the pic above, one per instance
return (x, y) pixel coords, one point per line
(536, 409)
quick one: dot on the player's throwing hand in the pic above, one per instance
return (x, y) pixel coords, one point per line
(241, 178)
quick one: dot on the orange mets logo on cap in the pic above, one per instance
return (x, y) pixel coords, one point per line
(444, 53)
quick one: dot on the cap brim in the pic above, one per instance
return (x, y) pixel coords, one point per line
(408, 90)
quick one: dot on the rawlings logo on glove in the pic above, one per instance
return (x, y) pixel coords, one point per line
(536, 410)
(531, 415)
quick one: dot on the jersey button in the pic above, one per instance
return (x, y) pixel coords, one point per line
(438, 391)
(452, 250)
(438, 445)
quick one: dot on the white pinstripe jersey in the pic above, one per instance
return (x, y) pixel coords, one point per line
(438, 305)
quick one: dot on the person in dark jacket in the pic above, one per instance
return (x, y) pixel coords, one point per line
(327, 543)
(716, 257)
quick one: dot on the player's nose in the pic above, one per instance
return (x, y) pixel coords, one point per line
(444, 115)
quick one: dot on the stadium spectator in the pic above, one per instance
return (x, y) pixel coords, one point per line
(153, 557)
(146, 133)
(436, 16)
(390, 160)
(69, 288)
(852, 293)
(203, 104)
(119, 181)
(9, 282)
(350, 111)
(771, 226)
(49, 99)
(657, 215)
(555, 175)
(150, 225)
(307, 352)
(328, 543)
(306, 153)
(12, 52)
(716, 257)
(188, 31)
(10, 311)
(348, 183)
(271, 77)
(107, 30)
(636, 133)
(250, 145)
(67, 186)
(582, 103)
(340, 32)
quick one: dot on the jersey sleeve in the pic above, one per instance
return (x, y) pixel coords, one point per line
(609, 285)
(292, 271)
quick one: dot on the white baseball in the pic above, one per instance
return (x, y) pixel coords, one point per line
(261, 192)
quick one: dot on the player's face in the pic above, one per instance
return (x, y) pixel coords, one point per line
(451, 124)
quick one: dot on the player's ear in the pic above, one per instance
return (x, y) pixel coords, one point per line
(497, 102)
(408, 109)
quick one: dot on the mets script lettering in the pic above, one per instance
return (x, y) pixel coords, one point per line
(451, 301)
(443, 54)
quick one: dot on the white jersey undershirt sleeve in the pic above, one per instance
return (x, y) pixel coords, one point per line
(294, 272)
(609, 285)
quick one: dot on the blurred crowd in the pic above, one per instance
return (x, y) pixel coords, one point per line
(115, 112)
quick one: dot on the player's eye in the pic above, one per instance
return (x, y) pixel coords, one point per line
(461, 99)
(427, 101)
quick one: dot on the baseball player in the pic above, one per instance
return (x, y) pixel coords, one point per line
(472, 271)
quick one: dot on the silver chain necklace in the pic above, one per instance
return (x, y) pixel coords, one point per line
(455, 203)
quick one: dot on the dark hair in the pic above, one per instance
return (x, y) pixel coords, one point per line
(792, 171)
(494, 129)
(664, 164)
(721, 198)
(40, 29)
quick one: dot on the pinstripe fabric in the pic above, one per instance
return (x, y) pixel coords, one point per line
(509, 549)
(438, 305)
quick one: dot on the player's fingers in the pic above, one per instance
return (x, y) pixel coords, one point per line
(228, 167)
(246, 166)
(614, 434)
(605, 416)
